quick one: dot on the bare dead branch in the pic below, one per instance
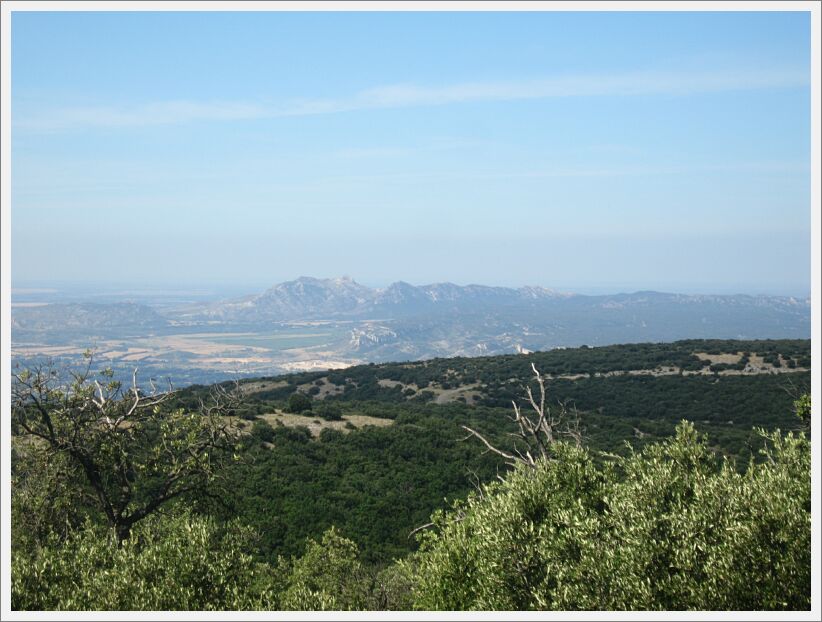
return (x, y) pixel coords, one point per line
(539, 430)
(487, 444)
(420, 528)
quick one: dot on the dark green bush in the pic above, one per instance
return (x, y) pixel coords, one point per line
(262, 432)
(298, 403)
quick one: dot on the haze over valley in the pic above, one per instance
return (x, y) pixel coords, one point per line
(409, 309)
(316, 324)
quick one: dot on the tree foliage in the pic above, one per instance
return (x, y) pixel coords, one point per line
(313, 524)
(802, 407)
(134, 454)
(667, 528)
(181, 562)
(328, 576)
(298, 402)
(49, 495)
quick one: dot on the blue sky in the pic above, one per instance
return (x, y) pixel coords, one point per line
(585, 151)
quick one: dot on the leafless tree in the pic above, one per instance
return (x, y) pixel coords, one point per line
(537, 430)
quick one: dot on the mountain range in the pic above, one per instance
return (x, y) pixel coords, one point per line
(312, 298)
(311, 323)
(531, 311)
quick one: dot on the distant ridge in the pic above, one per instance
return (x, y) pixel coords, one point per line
(335, 298)
(309, 297)
(313, 323)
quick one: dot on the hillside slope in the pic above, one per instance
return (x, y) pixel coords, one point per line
(381, 446)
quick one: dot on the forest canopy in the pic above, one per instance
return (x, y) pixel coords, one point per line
(411, 514)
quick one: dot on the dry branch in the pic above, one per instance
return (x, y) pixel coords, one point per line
(538, 430)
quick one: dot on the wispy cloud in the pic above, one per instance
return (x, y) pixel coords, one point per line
(409, 95)
(160, 113)
(646, 170)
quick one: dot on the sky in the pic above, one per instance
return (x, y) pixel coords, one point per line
(581, 151)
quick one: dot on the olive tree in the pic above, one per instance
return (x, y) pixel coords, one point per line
(133, 453)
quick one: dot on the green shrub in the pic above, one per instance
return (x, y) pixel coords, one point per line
(169, 563)
(330, 411)
(262, 431)
(298, 402)
(669, 528)
(328, 576)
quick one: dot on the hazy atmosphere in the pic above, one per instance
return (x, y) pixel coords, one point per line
(410, 311)
(599, 152)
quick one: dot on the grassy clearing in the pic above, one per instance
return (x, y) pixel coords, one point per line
(317, 425)
(258, 386)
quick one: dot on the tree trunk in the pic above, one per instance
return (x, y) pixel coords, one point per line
(123, 532)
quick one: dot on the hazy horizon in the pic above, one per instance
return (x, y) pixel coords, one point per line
(254, 287)
(587, 151)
